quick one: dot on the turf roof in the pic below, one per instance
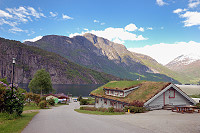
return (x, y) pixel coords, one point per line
(146, 91)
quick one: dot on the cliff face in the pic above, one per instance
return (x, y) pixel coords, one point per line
(29, 59)
(100, 54)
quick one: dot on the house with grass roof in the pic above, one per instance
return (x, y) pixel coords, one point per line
(153, 95)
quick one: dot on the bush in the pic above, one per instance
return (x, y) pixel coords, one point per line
(111, 109)
(198, 105)
(118, 110)
(103, 109)
(51, 102)
(11, 103)
(42, 104)
(80, 98)
(42, 98)
(137, 104)
(89, 108)
(134, 109)
(84, 102)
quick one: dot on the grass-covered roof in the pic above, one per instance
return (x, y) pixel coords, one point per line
(146, 91)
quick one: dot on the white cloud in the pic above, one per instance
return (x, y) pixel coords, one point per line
(164, 53)
(66, 17)
(23, 14)
(117, 40)
(193, 3)
(118, 35)
(192, 18)
(178, 10)
(131, 27)
(102, 23)
(34, 39)
(85, 29)
(141, 29)
(16, 29)
(5, 14)
(149, 28)
(96, 21)
(53, 14)
(161, 2)
(3, 21)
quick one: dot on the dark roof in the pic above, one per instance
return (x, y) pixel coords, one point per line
(60, 95)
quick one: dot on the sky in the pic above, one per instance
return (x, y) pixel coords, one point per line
(162, 29)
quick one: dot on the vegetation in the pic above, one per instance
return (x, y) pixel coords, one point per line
(122, 84)
(31, 106)
(98, 111)
(195, 96)
(41, 82)
(146, 91)
(51, 102)
(89, 101)
(13, 124)
(43, 104)
(134, 109)
(11, 100)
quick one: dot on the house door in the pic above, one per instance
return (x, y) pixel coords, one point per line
(166, 97)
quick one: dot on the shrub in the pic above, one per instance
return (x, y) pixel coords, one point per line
(42, 104)
(103, 109)
(51, 101)
(84, 102)
(42, 98)
(111, 109)
(137, 104)
(80, 98)
(118, 110)
(134, 109)
(12, 104)
(36, 98)
(89, 108)
(198, 105)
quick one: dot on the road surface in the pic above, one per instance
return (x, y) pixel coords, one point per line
(64, 119)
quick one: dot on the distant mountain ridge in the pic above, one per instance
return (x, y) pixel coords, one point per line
(29, 59)
(102, 55)
(188, 65)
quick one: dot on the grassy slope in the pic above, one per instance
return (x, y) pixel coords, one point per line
(151, 63)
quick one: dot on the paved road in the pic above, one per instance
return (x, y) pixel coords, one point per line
(64, 119)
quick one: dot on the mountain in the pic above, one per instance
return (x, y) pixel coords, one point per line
(100, 54)
(188, 65)
(29, 59)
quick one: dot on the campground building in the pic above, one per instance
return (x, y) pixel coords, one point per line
(152, 95)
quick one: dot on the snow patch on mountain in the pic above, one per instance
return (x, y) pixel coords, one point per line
(187, 59)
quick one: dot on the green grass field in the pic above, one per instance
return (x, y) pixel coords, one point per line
(15, 125)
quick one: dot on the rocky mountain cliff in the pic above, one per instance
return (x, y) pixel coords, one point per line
(100, 54)
(29, 59)
(188, 65)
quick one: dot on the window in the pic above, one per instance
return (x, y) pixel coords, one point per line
(105, 101)
(171, 93)
(97, 100)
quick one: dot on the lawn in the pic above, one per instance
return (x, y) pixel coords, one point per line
(98, 112)
(15, 125)
(31, 106)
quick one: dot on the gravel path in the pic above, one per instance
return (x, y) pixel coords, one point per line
(65, 119)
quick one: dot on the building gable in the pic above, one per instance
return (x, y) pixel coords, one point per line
(172, 95)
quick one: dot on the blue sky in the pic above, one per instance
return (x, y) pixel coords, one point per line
(134, 23)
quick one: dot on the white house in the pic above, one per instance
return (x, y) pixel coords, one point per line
(153, 95)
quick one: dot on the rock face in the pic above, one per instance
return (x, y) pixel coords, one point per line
(100, 54)
(29, 59)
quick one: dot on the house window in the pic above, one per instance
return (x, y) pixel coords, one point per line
(121, 93)
(97, 100)
(171, 93)
(105, 101)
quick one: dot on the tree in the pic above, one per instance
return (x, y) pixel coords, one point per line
(41, 82)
